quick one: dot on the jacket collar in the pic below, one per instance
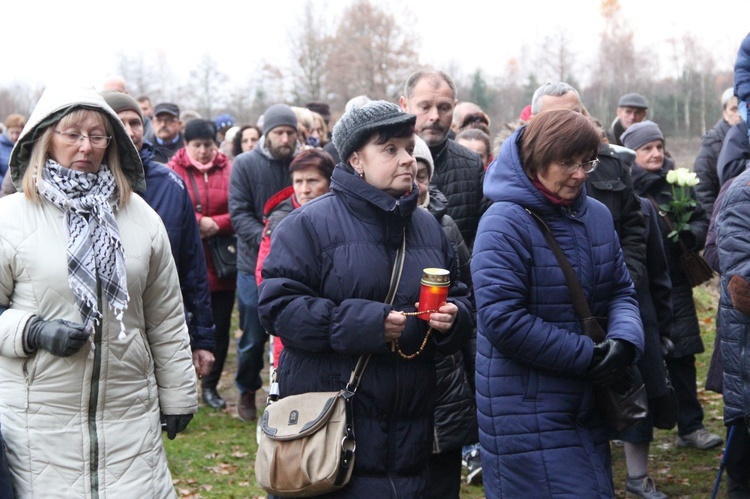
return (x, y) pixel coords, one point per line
(644, 180)
(505, 180)
(438, 150)
(368, 201)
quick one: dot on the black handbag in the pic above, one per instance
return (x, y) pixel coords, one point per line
(223, 248)
(625, 402)
(694, 266)
(224, 254)
(664, 408)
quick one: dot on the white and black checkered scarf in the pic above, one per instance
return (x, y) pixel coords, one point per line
(94, 247)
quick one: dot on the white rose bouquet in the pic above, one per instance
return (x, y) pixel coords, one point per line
(680, 208)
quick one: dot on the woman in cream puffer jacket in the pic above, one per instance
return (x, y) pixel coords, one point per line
(81, 401)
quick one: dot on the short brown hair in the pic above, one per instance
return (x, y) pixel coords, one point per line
(313, 158)
(557, 135)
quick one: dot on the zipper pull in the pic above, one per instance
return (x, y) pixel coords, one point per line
(205, 177)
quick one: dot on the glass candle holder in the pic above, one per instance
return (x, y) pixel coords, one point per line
(434, 291)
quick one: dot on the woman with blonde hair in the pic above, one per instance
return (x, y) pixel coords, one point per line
(94, 350)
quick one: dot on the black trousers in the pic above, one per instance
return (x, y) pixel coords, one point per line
(6, 481)
(683, 375)
(222, 304)
(738, 455)
(444, 478)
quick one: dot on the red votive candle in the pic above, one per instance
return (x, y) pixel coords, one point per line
(434, 292)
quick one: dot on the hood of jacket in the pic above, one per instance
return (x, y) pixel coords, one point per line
(506, 181)
(56, 102)
(147, 155)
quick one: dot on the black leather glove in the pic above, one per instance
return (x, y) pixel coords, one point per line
(667, 347)
(611, 358)
(59, 337)
(176, 423)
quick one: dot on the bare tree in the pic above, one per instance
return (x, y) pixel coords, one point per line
(166, 87)
(556, 59)
(694, 67)
(370, 54)
(310, 50)
(18, 98)
(206, 89)
(240, 102)
(621, 69)
(139, 75)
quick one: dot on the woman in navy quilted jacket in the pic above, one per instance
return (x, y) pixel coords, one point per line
(324, 287)
(540, 431)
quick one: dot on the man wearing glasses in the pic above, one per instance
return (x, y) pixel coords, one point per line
(167, 131)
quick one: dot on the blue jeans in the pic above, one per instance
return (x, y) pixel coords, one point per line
(251, 346)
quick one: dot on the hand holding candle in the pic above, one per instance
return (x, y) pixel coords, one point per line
(434, 292)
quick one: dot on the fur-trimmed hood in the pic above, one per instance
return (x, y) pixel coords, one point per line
(58, 101)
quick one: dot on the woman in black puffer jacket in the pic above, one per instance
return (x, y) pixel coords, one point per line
(323, 292)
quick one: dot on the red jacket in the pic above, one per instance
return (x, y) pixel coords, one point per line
(212, 195)
(276, 209)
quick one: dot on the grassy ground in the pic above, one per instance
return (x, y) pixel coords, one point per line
(214, 457)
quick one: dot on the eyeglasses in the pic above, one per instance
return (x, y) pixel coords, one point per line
(570, 167)
(72, 139)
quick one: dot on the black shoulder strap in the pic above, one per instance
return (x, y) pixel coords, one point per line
(198, 205)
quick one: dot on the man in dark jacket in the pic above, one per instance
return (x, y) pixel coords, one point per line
(256, 176)
(166, 194)
(610, 183)
(459, 172)
(167, 131)
(708, 155)
(631, 108)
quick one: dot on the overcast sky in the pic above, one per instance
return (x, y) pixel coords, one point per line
(80, 39)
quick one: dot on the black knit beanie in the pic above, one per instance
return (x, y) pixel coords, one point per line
(359, 123)
(200, 129)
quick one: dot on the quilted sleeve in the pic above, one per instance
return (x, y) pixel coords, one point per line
(12, 322)
(167, 332)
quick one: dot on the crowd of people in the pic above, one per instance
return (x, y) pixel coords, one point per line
(116, 299)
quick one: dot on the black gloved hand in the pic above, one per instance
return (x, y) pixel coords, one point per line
(59, 337)
(176, 423)
(611, 358)
(667, 347)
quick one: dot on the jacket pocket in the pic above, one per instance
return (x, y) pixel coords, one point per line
(614, 185)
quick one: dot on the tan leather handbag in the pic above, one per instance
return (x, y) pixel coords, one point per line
(307, 441)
